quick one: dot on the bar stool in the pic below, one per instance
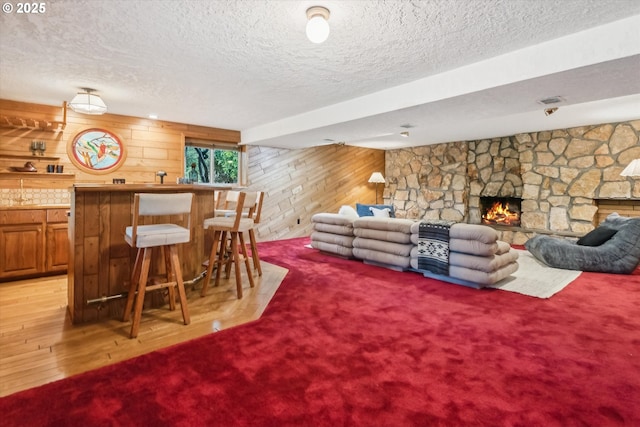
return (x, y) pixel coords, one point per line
(231, 200)
(232, 228)
(164, 236)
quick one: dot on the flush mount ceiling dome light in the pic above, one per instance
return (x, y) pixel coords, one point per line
(317, 26)
(86, 102)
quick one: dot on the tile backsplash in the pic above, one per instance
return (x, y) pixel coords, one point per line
(34, 196)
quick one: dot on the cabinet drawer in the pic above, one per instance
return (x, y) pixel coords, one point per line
(57, 215)
(30, 216)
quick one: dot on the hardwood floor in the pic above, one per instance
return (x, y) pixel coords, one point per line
(38, 343)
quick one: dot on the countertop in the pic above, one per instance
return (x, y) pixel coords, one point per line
(28, 207)
(150, 187)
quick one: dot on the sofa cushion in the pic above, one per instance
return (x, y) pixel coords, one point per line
(345, 230)
(333, 248)
(348, 211)
(473, 247)
(597, 236)
(386, 259)
(336, 239)
(482, 277)
(461, 230)
(383, 246)
(382, 235)
(400, 225)
(332, 218)
(503, 247)
(481, 233)
(363, 210)
(487, 264)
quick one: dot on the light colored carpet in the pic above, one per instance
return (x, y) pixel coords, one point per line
(535, 278)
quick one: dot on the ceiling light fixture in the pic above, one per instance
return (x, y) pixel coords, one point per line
(550, 111)
(317, 26)
(633, 169)
(404, 134)
(87, 103)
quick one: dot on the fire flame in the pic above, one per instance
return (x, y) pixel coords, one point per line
(500, 214)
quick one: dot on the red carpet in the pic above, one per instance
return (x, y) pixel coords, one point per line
(346, 344)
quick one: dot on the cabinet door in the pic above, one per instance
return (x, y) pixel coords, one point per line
(57, 247)
(21, 250)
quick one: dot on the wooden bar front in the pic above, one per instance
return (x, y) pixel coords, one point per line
(100, 260)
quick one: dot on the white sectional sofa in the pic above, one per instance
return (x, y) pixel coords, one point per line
(476, 257)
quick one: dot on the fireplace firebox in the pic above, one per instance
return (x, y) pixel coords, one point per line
(501, 210)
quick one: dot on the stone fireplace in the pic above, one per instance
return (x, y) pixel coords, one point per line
(561, 177)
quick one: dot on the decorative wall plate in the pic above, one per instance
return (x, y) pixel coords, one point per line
(96, 151)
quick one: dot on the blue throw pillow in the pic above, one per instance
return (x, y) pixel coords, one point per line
(363, 210)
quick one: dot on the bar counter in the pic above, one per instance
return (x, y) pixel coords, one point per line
(100, 260)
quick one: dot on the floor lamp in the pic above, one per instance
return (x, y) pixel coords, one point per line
(377, 178)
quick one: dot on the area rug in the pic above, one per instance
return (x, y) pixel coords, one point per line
(348, 344)
(535, 278)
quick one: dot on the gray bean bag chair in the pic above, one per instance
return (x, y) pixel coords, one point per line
(613, 247)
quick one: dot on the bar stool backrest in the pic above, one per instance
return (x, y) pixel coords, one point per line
(258, 209)
(230, 199)
(247, 201)
(161, 204)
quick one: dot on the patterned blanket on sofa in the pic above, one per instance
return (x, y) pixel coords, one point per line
(433, 246)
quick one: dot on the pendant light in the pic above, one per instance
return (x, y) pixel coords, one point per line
(86, 102)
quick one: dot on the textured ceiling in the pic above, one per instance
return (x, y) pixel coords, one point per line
(452, 68)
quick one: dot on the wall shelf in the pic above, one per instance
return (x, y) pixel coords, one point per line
(37, 175)
(28, 157)
(35, 124)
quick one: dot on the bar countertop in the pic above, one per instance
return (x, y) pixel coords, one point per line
(149, 187)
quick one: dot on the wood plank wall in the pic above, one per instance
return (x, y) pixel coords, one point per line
(297, 183)
(630, 208)
(150, 145)
(300, 183)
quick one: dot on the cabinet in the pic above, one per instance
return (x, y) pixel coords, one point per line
(32, 242)
(57, 247)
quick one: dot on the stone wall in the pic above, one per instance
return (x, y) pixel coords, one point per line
(428, 182)
(559, 175)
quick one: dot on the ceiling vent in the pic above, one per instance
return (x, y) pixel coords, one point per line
(551, 100)
(407, 126)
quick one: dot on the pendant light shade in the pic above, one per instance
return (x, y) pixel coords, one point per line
(88, 103)
(317, 26)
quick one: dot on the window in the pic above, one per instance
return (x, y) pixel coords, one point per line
(213, 162)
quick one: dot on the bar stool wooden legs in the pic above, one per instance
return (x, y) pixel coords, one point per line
(139, 286)
(165, 237)
(222, 259)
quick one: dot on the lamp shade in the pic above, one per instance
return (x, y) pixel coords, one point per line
(88, 103)
(377, 178)
(633, 169)
(317, 26)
